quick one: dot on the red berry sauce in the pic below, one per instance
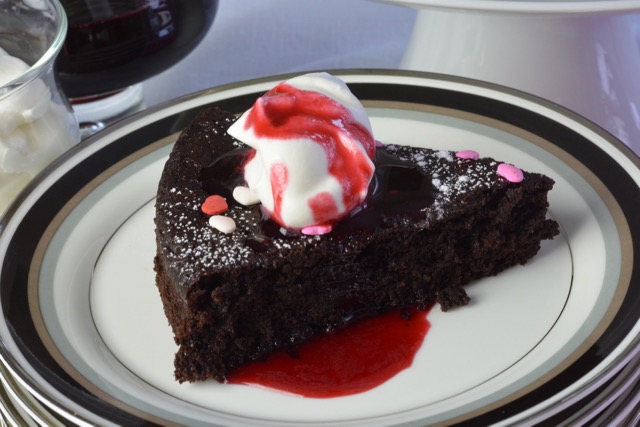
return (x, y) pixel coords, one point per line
(348, 361)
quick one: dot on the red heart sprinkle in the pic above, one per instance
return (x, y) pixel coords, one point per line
(214, 205)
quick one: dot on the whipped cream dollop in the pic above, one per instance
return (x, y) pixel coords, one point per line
(313, 150)
(33, 129)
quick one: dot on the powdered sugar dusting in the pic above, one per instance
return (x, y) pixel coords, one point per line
(196, 246)
(452, 176)
(448, 155)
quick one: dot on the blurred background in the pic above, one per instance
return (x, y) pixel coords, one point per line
(585, 61)
(255, 38)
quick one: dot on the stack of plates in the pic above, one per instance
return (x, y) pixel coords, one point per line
(84, 340)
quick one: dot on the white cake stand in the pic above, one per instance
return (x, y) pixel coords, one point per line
(584, 55)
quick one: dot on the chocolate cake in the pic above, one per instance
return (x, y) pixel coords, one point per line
(432, 222)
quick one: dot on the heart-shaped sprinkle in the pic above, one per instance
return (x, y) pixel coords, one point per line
(467, 154)
(245, 196)
(316, 230)
(214, 205)
(510, 172)
(223, 223)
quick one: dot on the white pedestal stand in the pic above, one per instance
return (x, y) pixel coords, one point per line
(582, 55)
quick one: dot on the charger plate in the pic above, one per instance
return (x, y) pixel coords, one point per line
(83, 332)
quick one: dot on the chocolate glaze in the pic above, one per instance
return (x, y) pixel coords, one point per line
(397, 187)
(225, 173)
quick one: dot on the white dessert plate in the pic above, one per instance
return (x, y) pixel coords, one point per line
(82, 327)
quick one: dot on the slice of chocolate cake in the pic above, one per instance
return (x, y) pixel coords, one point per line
(431, 222)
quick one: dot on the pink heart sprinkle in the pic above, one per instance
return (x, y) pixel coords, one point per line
(214, 205)
(510, 172)
(316, 230)
(467, 154)
(378, 144)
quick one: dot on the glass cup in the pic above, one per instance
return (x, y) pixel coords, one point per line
(114, 45)
(36, 121)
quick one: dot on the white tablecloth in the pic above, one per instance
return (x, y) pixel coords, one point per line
(257, 38)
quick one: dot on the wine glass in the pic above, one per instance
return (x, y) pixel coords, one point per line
(114, 45)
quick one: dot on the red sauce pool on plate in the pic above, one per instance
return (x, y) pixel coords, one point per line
(348, 361)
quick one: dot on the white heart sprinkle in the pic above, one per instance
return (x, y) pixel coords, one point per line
(245, 196)
(223, 223)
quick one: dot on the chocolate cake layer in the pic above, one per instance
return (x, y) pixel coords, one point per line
(433, 222)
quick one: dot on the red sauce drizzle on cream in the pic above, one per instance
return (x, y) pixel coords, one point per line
(348, 361)
(286, 112)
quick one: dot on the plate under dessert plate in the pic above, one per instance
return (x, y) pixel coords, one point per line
(82, 328)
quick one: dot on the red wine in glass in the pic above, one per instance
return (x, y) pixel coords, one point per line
(112, 44)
